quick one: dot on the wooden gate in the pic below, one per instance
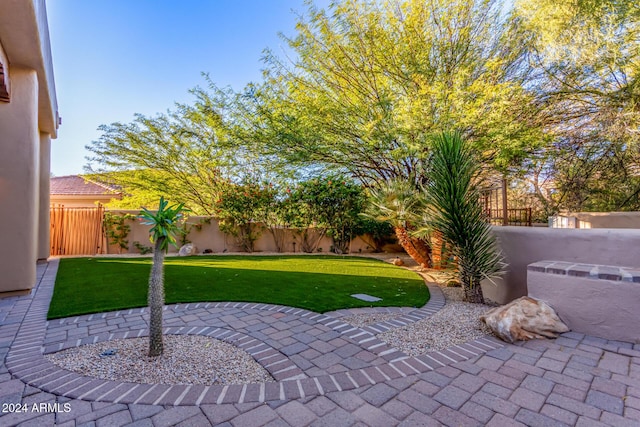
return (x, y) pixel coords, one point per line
(75, 231)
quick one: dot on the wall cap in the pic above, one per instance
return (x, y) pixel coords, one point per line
(590, 271)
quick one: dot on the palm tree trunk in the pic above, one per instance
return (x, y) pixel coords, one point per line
(414, 247)
(156, 300)
(437, 246)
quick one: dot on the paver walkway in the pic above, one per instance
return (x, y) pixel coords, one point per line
(328, 373)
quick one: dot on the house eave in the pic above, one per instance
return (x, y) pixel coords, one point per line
(24, 36)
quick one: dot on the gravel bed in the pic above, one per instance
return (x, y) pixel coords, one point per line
(456, 323)
(360, 320)
(187, 359)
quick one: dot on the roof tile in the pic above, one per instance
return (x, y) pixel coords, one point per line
(77, 185)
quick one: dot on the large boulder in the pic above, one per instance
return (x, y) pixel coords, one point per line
(524, 319)
(187, 250)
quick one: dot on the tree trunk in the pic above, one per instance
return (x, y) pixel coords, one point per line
(472, 289)
(437, 246)
(311, 238)
(441, 252)
(415, 248)
(246, 237)
(279, 237)
(155, 300)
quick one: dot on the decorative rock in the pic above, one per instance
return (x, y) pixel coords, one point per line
(398, 262)
(524, 319)
(187, 250)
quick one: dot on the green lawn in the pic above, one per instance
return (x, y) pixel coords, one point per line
(318, 283)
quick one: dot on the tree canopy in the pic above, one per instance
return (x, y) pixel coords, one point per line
(586, 54)
(546, 92)
(370, 81)
(185, 153)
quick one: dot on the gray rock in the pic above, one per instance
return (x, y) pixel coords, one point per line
(187, 250)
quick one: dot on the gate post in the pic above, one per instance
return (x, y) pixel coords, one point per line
(505, 216)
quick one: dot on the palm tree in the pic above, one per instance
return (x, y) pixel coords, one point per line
(398, 202)
(164, 227)
(454, 210)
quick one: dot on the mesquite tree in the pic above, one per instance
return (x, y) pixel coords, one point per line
(162, 233)
(370, 81)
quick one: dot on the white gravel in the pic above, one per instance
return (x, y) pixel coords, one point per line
(187, 359)
(456, 323)
(360, 320)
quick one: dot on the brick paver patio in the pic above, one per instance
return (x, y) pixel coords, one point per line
(328, 373)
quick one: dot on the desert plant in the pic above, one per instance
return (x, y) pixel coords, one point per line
(329, 205)
(454, 210)
(164, 226)
(239, 208)
(143, 249)
(275, 214)
(399, 203)
(116, 229)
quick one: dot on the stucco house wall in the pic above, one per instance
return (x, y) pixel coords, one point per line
(28, 121)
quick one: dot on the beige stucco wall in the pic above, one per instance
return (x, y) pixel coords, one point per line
(602, 308)
(210, 237)
(43, 192)
(607, 219)
(19, 182)
(525, 245)
(48, 117)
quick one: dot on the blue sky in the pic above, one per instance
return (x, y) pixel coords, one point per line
(114, 58)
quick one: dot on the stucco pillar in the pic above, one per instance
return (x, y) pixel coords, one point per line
(44, 247)
(19, 175)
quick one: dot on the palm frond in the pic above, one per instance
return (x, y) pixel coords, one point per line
(164, 222)
(396, 201)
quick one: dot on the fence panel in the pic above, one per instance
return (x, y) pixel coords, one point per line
(494, 204)
(75, 231)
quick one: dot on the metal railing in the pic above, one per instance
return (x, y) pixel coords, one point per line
(494, 203)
